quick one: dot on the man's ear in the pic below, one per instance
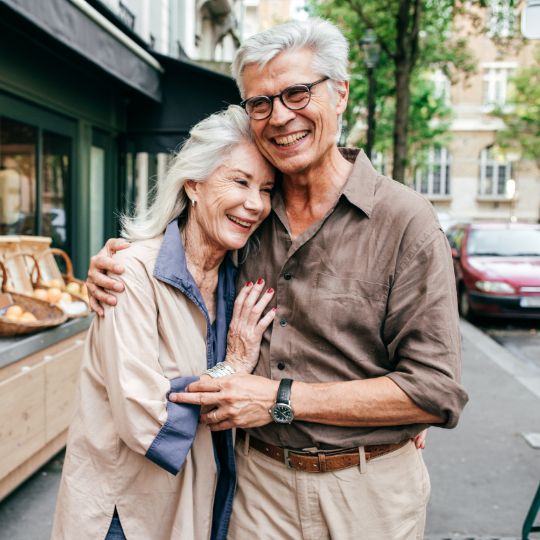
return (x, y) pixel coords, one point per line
(342, 96)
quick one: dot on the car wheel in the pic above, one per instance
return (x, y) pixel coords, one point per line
(464, 305)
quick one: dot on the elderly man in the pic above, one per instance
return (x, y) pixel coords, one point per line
(364, 352)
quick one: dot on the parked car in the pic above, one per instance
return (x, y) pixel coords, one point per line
(497, 269)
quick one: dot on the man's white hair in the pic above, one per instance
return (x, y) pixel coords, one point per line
(209, 144)
(329, 46)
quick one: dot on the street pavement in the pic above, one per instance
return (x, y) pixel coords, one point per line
(483, 473)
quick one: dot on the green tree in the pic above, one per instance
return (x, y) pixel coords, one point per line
(416, 38)
(522, 119)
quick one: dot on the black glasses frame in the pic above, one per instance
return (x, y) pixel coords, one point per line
(244, 104)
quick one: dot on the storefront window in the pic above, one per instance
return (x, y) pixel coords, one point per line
(97, 197)
(54, 186)
(18, 150)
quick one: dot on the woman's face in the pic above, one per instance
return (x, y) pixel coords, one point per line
(234, 200)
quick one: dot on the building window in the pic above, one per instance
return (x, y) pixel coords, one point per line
(378, 161)
(433, 177)
(442, 86)
(29, 206)
(494, 174)
(501, 19)
(496, 83)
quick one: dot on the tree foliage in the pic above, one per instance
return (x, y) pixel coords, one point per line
(522, 119)
(416, 39)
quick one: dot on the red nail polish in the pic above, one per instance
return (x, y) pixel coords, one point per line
(270, 290)
(248, 284)
(260, 281)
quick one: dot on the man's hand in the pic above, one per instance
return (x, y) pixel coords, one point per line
(238, 400)
(99, 284)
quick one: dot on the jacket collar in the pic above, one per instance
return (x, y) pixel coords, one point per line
(171, 267)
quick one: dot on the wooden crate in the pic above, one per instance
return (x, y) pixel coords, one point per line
(18, 268)
(37, 246)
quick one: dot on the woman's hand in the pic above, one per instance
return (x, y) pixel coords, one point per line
(420, 440)
(98, 282)
(248, 325)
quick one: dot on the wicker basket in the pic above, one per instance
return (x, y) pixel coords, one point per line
(67, 278)
(47, 315)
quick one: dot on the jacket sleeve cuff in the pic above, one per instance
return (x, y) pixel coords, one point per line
(173, 441)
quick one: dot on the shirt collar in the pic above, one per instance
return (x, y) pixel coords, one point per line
(358, 190)
(360, 187)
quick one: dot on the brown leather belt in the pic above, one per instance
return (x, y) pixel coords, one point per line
(329, 460)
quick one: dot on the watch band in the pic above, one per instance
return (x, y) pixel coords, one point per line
(284, 391)
(221, 369)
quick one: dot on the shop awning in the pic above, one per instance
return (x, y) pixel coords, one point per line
(189, 94)
(77, 25)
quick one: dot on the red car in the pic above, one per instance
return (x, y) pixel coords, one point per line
(497, 268)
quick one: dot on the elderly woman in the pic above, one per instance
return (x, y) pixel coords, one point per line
(137, 464)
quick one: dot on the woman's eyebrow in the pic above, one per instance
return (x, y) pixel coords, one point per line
(240, 171)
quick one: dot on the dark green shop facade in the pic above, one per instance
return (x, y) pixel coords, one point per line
(82, 101)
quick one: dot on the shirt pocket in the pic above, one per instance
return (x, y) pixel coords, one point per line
(349, 304)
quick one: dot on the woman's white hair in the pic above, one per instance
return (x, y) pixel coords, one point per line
(329, 46)
(209, 143)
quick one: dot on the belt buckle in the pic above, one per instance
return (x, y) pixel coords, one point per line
(286, 461)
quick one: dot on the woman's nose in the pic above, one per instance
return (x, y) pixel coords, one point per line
(254, 201)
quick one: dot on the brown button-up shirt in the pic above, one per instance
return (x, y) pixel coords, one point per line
(367, 292)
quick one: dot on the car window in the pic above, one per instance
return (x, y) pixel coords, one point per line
(455, 237)
(504, 243)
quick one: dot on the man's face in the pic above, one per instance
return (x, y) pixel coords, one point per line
(295, 141)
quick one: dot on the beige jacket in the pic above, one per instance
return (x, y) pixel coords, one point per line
(126, 435)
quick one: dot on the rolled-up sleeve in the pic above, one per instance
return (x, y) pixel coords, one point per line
(128, 344)
(422, 329)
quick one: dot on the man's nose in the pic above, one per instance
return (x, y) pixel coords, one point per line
(280, 114)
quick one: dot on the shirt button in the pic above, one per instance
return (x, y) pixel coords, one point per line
(287, 275)
(281, 365)
(283, 322)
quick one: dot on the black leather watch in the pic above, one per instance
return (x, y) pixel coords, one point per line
(282, 412)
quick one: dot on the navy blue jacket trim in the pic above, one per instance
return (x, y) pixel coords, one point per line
(173, 442)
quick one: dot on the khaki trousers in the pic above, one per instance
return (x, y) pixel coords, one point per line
(386, 501)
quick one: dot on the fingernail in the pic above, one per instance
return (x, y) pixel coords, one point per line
(274, 308)
(118, 268)
(270, 290)
(118, 287)
(248, 284)
(260, 281)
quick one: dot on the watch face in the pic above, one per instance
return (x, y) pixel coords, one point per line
(282, 413)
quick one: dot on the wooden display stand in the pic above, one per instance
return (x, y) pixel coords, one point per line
(37, 400)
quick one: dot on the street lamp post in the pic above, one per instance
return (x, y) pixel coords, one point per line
(371, 50)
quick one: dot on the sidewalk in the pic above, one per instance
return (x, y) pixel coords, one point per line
(483, 473)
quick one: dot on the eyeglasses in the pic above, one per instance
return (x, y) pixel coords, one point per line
(294, 97)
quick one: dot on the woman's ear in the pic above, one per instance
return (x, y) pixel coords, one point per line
(190, 187)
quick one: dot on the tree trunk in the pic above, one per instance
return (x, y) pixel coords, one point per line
(401, 121)
(407, 29)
